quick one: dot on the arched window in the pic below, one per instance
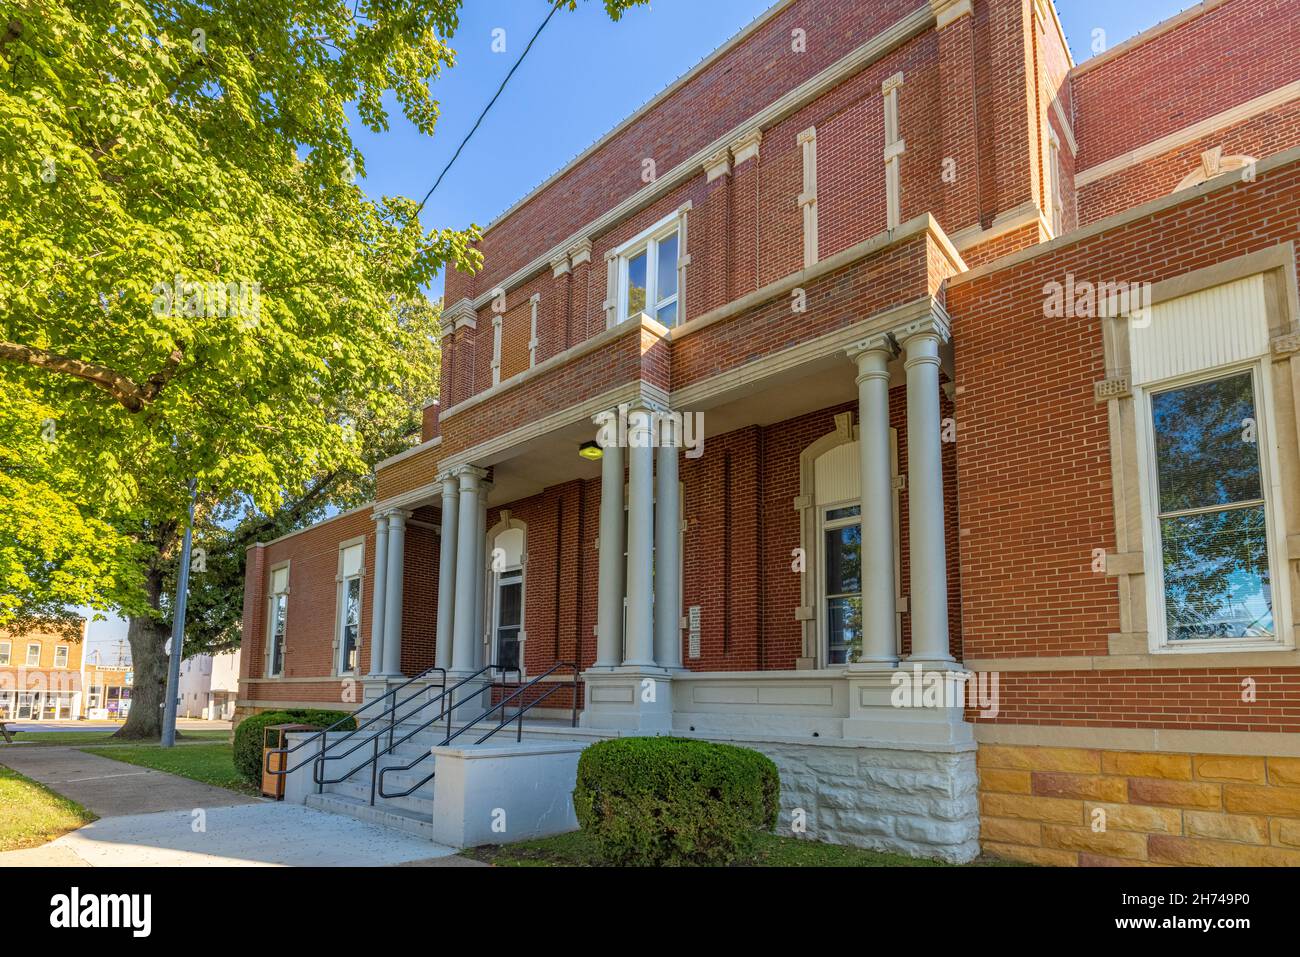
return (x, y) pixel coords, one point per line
(831, 540)
(507, 557)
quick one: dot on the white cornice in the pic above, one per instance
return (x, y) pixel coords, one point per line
(783, 106)
(1189, 134)
(1151, 208)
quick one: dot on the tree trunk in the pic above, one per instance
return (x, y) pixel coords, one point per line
(148, 639)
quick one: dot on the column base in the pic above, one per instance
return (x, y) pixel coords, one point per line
(628, 698)
(471, 699)
(914, 705)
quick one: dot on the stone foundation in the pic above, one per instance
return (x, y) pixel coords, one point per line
(1083, 807)
(915, 802)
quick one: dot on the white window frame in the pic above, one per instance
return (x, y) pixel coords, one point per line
(6, 653)
(493, 592)
(1055, 202)
(1274, 515)
(63, 650)
(273, 598)
(648, 241)
(825, 525)
(498, 579)
(340, 605)
(28, 659)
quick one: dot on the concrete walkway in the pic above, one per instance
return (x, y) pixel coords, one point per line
(154, 819)
(111, 788)
(265, 834)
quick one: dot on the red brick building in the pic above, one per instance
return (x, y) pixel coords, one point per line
(895, 396)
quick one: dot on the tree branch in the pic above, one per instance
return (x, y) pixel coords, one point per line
(132, 396)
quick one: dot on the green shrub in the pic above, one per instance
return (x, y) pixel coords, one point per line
(248, 736)
(674, 801)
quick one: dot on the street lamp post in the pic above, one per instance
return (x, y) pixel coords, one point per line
(178, 628)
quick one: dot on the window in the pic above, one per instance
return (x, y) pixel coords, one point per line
(4, 652)
(1056, 205)
(61, 656)
(34, 654)
(1210, 518)
(507, 597)
(279, 607)
(842, 555)
(509, 617)
(351, 559)
(647, 275)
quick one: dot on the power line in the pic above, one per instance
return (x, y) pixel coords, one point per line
(555, 6)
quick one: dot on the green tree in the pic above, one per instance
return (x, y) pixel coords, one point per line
(191, 283)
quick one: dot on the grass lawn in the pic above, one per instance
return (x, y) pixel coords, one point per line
(209, 763)
(575, 849)
(33, 814)
(51, 739)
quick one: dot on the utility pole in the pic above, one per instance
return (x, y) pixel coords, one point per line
(178, 628)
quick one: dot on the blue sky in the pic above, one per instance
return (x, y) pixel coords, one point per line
(582, 76)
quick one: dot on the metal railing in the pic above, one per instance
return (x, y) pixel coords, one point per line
(323, 734)
(372, 762)
(500, 706)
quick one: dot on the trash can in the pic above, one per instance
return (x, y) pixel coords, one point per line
(273, 739)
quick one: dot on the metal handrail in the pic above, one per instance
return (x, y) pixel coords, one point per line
(499, 706)
(323, 732)
(372, 762)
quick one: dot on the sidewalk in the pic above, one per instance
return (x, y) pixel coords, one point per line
(153, 819)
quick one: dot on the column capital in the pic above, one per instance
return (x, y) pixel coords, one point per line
(932, 326)
(398, 515)
(560, 266)
(470, 476)
(881, 342)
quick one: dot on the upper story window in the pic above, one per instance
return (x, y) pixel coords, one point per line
(648, 274)
(61, 656)
(34, 654)
(4, 652)
(1211, 518)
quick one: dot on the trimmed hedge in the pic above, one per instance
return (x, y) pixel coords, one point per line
(248, 735)
(651, 802)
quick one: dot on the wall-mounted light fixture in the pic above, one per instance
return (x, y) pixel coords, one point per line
(591, 450)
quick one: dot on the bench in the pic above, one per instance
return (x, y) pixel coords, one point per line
(6, 733)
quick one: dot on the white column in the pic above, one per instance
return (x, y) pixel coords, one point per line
(927, 560)
(481, 559)
(609, 608)
(462, 658)
(378, 596)
(393, 603)
(639, 647)
(877, 497)
(668, 548)
(450, 522)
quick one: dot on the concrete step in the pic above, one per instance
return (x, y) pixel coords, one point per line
(420, 801)
(403, 820)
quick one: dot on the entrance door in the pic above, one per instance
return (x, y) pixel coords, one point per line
(29, 704)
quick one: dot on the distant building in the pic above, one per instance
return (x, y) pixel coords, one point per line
(40, 674)
(208, 687)
(108, 692)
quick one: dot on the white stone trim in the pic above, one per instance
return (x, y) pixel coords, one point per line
(496, 349)
(879, 46)
(807, 141)
(949, 11)
(533, 302)
(1189, 134)
(894, 149)
(745, 146)
(1150, 208)
(719, 164)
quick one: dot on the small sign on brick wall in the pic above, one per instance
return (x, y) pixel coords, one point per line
(693, 628)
